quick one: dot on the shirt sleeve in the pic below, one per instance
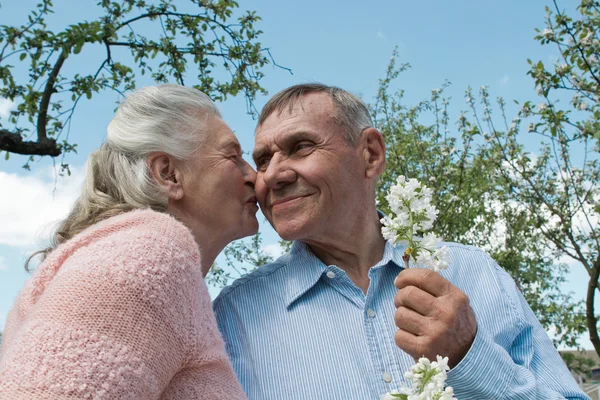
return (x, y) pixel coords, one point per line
(530, 368)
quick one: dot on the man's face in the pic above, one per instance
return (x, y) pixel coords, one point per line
(309, 177)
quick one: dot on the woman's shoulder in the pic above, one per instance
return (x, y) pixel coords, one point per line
(143, 243)
(145, 222)
(144, 255)
(146, 231)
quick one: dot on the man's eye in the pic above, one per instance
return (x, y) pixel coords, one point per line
(302, 146)
(262, 163)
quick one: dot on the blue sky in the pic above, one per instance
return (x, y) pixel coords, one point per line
(348, 44)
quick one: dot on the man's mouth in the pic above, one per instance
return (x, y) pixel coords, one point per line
(289, 199)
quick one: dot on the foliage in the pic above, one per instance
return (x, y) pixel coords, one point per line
(241, 257)
(558, 186)
(131, 38)
(470, 192)
(578, 362)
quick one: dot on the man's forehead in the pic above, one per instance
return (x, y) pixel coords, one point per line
(290, 120)
(311, 103)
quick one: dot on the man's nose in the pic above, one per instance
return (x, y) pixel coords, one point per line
(278, 173)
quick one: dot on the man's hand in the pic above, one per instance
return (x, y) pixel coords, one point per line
(433, 317)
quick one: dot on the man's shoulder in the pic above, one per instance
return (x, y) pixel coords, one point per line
(268, 277)
(466, 250)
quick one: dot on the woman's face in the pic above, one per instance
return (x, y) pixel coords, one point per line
(218, 188)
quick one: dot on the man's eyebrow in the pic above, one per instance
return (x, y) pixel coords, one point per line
(258, 153)
(295, 137)
(284, 141)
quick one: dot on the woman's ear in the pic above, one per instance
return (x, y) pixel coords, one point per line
(167, 174)
(373, 152)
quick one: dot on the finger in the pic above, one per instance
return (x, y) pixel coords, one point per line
(416, 299)
(410, 321)
(409, 343)
(425, 279)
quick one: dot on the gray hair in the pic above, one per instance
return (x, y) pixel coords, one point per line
(351, 112)
(166, 118)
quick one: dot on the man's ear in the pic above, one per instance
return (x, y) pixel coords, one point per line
(167, 174)
(373, 152)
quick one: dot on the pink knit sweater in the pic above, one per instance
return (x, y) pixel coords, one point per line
(118, 312)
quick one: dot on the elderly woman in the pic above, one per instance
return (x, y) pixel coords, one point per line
(118, 309)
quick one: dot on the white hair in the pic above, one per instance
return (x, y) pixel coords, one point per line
(166, 118)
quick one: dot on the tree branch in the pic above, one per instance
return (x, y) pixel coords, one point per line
(48, 91)
(14, 143)
(592, 320)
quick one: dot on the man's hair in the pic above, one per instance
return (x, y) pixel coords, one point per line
(350, 111)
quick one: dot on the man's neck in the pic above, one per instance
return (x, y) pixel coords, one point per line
(355, 251)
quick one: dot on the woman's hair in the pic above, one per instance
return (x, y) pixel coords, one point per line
(165, 118)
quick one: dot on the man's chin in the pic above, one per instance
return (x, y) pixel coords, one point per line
(289, 231)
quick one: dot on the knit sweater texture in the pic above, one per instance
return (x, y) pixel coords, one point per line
(120, 311)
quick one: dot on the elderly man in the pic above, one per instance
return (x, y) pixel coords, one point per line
(338, 317)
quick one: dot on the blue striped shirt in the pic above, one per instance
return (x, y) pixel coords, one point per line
(300, 329)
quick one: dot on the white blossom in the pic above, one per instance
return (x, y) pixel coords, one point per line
(548, 34)
(411, 213)
(583, 106)
(562, 69)
(542, 106)
(540, 90)
(428, 380)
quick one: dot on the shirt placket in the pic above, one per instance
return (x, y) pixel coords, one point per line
(385, 375)
(386, 371)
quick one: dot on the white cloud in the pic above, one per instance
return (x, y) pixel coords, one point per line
(505, 80)
(273, 249)
(3, 265)
(5, 107)
(380, 34)
(31, 204)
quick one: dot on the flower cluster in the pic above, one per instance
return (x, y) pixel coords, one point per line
(427, 379)
(413, 213)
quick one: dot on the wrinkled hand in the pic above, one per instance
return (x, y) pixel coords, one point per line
(433, 316)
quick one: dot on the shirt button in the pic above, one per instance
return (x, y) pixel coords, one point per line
(371, 313)
(330, 274)
(387, 377)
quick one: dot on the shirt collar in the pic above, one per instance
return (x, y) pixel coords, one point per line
(304, 268)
